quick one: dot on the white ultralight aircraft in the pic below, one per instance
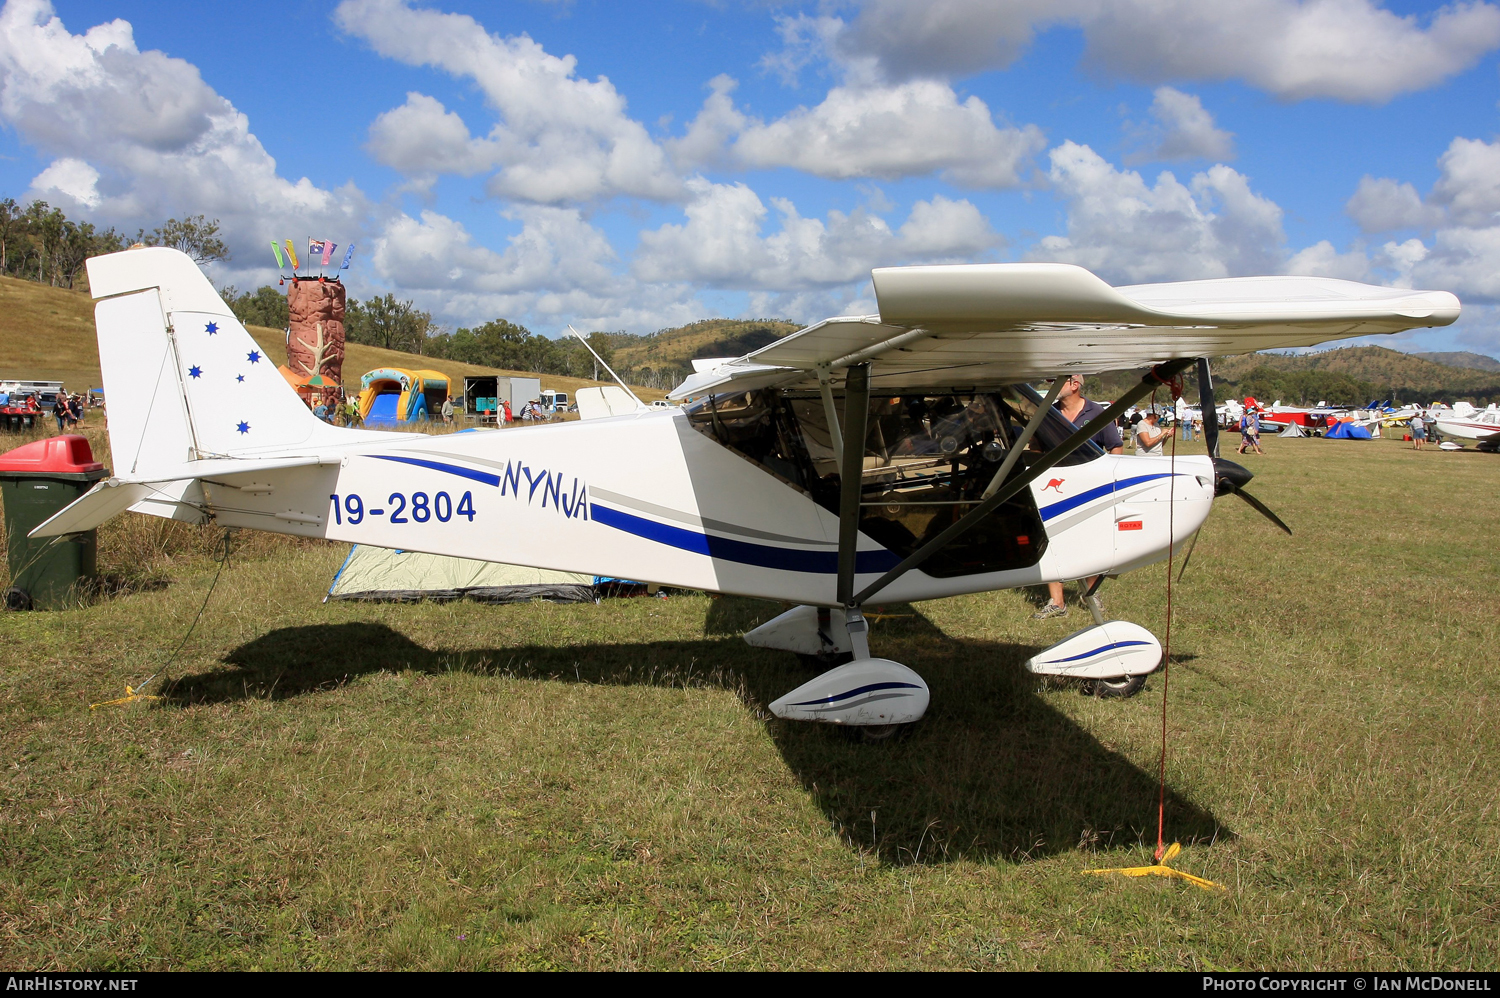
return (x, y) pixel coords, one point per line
(881, 458)
(1468, 423)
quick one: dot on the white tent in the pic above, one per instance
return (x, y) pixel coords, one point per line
(384, 574)
(1294, 430)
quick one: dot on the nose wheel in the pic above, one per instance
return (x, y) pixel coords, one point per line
(1118, 688)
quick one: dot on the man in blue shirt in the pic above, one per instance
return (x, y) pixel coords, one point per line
(1078, 411)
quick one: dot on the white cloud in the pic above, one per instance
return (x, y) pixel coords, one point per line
(557, 268)
(721, 244)
(73, 179)
(705, 143)
(1183, 130)
(1383, 205)
(1130, 233)
(1349, 50)
(888, 132)
(1322, 260)
(1462, 212)
(559, 138)
(1469, 186)
(423, 137)
(138, 136)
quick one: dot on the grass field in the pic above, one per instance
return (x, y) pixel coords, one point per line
(464, 786)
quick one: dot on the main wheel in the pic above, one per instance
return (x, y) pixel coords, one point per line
(17, 598)
(879, 732)
(1117, 688)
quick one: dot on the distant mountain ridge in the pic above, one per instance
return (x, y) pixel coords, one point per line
(1463, 358)
(1391, 374)
(663, 358)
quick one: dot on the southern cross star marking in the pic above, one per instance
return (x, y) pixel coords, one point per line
(244, 427)
(195, 371)
(253, 356)
(239, 377)
(211, 328)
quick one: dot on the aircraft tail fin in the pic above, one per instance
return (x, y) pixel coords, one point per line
(183, 378)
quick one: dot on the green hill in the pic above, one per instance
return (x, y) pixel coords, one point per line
(663, 358)
(1388, 373)
(1463, 358)
(47, 334)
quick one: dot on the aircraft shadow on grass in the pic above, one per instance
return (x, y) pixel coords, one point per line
(993, 771)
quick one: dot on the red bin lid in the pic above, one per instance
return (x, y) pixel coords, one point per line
(69, 454)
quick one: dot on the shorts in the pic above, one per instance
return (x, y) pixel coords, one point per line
(1418, 433)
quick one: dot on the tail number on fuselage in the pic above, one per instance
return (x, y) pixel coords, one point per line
(420, 509)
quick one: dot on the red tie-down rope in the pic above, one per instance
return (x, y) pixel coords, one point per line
(1166, 649)
(1163, 852)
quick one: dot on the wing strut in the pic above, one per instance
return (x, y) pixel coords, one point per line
(851, 473)
(835, 437)
(1153, 380)
(851, 485)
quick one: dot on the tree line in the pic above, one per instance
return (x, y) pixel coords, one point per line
(385, 321)
(40, 243)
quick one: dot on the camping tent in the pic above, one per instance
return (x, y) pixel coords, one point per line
(1347, 431)
(1293, 430)
(371, 573)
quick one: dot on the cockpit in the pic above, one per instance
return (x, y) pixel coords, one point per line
(927, 460)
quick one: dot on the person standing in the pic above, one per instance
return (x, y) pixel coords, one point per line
(60, 409)
(1149, 436)
(1418, 431)
(1078, 410)
(1250, 432)
(448, 410)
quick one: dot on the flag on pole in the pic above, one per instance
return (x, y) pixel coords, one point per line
(348, 255)
(291, 255)
(276, 249)
(328, 247)
(314, 249)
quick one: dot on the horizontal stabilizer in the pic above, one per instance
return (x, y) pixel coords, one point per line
(113, 496)
(105, 500)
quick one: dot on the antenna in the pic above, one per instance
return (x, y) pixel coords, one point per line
(602, 364)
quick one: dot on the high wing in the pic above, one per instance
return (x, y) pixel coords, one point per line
(985, 325)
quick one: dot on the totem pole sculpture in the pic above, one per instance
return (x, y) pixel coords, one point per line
(315, 337)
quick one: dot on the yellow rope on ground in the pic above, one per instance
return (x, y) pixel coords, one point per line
(133, 694)
(1161, 869)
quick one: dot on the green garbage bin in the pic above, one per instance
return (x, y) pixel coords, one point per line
(37, 481)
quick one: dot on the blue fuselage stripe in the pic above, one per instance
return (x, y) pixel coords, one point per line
(1096, 651)
(1059, 508)
(873, 687)
(452, 469)
(744, 552)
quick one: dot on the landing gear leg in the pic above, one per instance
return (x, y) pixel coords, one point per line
(874, 694)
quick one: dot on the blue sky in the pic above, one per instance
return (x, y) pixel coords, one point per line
(631, 166)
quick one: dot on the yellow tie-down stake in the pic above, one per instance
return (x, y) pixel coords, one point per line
(132, 695)
(1161, 869)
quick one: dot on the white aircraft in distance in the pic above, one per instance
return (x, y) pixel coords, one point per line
(864, 459)
(1468, 423)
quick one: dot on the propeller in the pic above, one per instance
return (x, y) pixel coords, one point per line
(1229, 478)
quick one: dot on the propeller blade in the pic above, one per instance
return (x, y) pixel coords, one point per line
(1206, 406)
(1262, 509)
(1192, 544)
